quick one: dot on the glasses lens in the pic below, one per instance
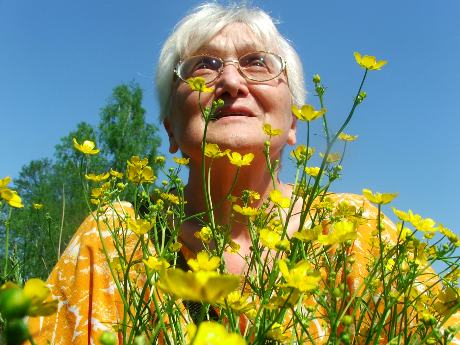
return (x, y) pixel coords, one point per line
(203, 66)
(261, 66)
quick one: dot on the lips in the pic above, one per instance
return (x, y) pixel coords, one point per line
(233, 111)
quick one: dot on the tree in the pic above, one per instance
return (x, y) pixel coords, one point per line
(41, 234)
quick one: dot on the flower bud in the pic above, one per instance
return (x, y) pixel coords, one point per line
(108, 338)
(13, 303)
(347, 320)
(16, 331)
(316, 78)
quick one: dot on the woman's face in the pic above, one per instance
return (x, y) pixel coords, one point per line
(247, 104)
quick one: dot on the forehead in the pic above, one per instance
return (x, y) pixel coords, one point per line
(233, 41)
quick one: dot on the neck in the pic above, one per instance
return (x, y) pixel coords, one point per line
(224, 179)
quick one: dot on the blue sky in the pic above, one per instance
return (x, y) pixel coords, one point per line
(60, 60)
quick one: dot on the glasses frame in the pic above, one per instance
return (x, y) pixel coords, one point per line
(234, 62)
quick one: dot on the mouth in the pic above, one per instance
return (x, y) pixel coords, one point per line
(233, 112)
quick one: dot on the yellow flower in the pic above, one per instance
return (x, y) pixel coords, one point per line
(279, 200)
(139, 226)
(447, 299)
(138, 171)
(233, 247)
(11, 197)
(213, 333)
(342, 231)
(204, 263)
(245, 210)
(173, 199)
(116, 174)
(347, 137)
(237, 159)
(422, 224)
(199, 84)
(37, 292)
(269, 238)
(369, 62)
(88, 147)
(181, 161)
(307, 112)
(156, 264)
(37, 206)
(301, 277)
(197, 286)
(451, 236)
(279, 333)
(97, 178)
(205, 234)
(332, 157)
(270, 131)
(379, 198)
(301, 153)
(213, 151)
(237, 302)
(175, 247)
(308, 234)
(312, 171)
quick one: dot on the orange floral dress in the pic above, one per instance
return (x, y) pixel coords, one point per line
(89, 302)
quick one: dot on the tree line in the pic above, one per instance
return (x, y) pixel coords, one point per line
(51, 189)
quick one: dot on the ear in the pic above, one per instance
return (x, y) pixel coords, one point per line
(292, 135)
(173, 146)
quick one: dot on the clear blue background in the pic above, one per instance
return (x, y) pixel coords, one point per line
(59, 61)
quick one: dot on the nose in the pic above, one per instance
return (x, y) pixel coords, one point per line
(231, 81)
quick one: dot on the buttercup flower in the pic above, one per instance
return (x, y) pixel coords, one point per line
(347, 137)
(37, 206)
(369, 62)
(379, 198)
(301, 277)
(312, 171)
(301, 153)
(269, 238)
(97, 178)
(237, 159)
(197, 286)
(88, 147)
(342, 231)
(155, 263)
(116, 174)
(199, 84)
(308, 234)
(307, 112)
(278, 199)
(245, 210)
(9, 195)
(181, 161)
(332, 157)
(205, 234)
(139, 226)
(213, 151)
(138, 171)
(213, 333)
(204, 263)
(270, 131)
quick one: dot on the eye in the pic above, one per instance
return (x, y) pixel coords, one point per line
(254, 60)
(205, 63)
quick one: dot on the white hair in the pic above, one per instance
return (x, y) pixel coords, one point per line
(203, 23)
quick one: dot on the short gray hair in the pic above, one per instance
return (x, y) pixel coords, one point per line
(203, 23)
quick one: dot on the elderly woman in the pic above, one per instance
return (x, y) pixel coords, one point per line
(258, 75)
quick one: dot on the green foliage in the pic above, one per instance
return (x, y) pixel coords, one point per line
(40, 235)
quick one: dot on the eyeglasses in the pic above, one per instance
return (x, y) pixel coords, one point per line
(256, 66)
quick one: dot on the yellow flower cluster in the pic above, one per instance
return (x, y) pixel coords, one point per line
(138, 170)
